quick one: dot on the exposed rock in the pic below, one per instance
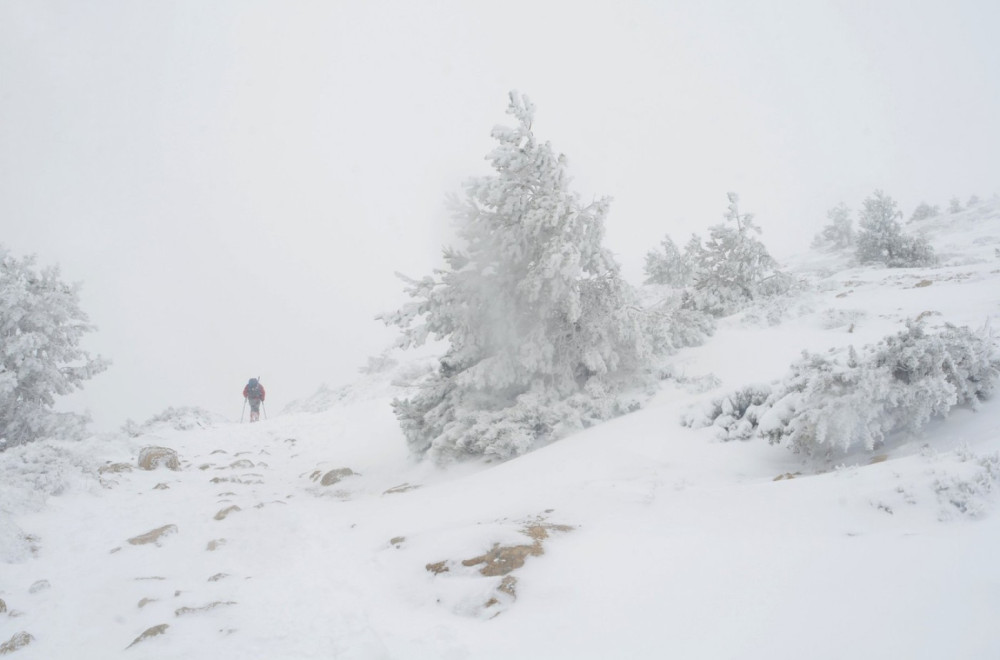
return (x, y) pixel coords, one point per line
(114, 468)
(153, 536)
(151, 458)
(401, 488)
(3, 606)
(215, 544)
(150, 632)
(331, 477)
(41, 585)
(218, 576)
(221, 515)
(204, 608)
(146, 601)
(18, 641)
(242, 464)
(161, 486)
(397, 540)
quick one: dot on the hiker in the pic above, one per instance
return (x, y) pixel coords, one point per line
(254, 393)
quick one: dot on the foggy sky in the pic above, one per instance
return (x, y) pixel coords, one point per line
(234, 183)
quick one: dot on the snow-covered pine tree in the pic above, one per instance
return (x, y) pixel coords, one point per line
(542, 330)
(733, 265)
(668, 266)
(41, 325)
(881, 237)
(839, 234)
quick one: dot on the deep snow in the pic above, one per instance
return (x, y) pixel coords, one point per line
(653, 540)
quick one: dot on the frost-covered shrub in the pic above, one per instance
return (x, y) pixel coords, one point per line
(736, 415)
(836, 402)
(543, 333)
(184, 418)
(839, 234)
(924, 211)
(881, 238)
(670, 325)
(41, 325)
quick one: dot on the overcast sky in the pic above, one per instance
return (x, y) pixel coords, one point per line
(234, 183)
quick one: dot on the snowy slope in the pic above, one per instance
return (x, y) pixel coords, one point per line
(636, 539)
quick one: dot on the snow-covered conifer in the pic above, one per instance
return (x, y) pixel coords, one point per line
(973, 201)
(41, 325)
(839, 234)
(733, 266)
(541, 328)
(954, 205)
(668, 266)
(881, 238)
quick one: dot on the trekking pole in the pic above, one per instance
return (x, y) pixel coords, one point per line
(264, 408)
(244, 409)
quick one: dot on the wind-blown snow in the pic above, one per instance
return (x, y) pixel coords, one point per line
(641, 538)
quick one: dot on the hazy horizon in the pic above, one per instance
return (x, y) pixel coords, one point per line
(235, 184)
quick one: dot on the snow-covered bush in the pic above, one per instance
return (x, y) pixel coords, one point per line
(954, 205)
(835, 402)
(881, 237)
(839, 234)
(973, 201)
(924, 211)
(543, 333)
(183, 418)
(41, 325)
(670, 325)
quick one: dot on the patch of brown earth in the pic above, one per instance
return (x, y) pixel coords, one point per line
(146, 601)
(149, 632)
(787, 475)
(153, 536)
(502, 560)
(922, 283)
(215, 544)
(3, 606)
(438, 567)
(880, 458)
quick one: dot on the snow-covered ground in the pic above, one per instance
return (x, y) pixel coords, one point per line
(640, 538)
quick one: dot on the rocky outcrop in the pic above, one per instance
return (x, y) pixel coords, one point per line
(151, 458)
(153, 536)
